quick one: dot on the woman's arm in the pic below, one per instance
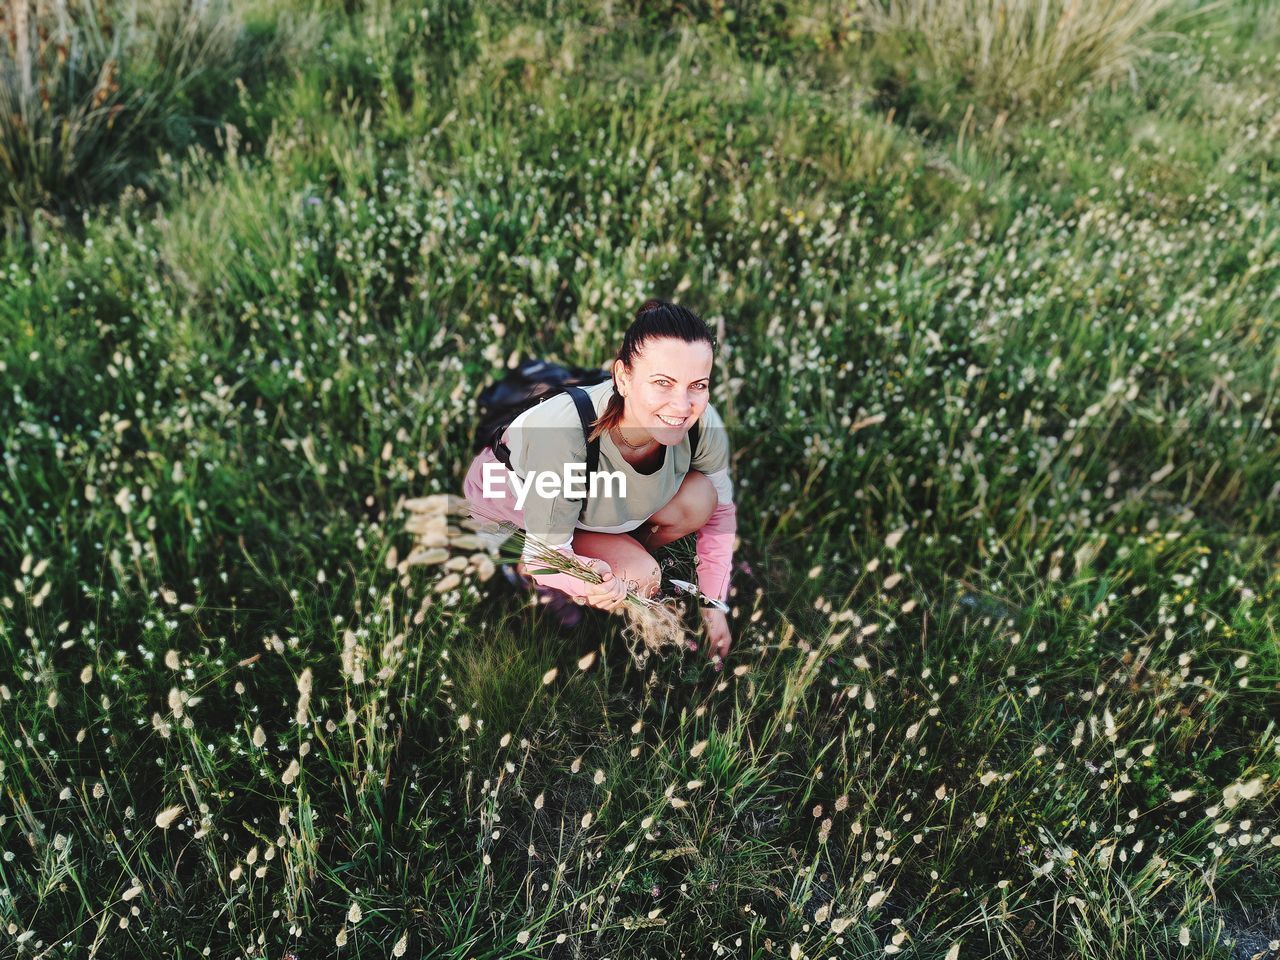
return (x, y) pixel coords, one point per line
(715, 539)
(715, 550)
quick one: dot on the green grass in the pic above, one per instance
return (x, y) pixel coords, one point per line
(1002, 402)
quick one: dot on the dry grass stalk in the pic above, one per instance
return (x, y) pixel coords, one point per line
(1021, 51)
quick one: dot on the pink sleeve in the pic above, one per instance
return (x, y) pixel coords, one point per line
(715, 551)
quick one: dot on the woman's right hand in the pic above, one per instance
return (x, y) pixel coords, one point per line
(610, 593)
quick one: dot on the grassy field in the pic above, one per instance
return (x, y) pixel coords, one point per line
(998, 295)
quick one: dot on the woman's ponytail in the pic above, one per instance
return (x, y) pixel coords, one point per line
(611, 417)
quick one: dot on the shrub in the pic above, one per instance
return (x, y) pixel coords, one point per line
(1013, 53)
(84, 93)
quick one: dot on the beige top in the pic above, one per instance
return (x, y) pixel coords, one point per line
(549, 435)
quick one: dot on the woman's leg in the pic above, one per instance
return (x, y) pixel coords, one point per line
(628, 554)
(684, 513)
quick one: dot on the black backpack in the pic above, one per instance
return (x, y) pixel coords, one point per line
(527, 386)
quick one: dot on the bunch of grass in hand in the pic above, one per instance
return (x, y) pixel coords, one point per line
(652, 626)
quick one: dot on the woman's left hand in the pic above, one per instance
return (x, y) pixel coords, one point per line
(716, 626)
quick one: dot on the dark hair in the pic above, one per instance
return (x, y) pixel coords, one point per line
(655, 319)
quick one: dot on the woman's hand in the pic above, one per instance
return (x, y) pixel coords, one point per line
(716, 626)
(609, 594)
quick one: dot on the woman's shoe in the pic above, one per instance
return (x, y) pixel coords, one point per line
(518, 580)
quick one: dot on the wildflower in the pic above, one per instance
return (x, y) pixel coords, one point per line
(304, 697)
(428, 557)
(165, 818)
(1236, 792)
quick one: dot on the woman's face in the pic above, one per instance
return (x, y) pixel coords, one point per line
(667, 387)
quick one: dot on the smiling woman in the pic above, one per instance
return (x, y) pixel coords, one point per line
(660, 388)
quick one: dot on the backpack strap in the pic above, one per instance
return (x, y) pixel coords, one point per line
(587, 414)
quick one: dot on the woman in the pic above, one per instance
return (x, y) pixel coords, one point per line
(660, 386)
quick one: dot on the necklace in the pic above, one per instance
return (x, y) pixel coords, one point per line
(622, 441)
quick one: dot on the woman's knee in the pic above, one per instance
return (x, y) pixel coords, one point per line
(627, 559)
(688, 510)
(640, 571)
(648, 576)
(697, 500)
